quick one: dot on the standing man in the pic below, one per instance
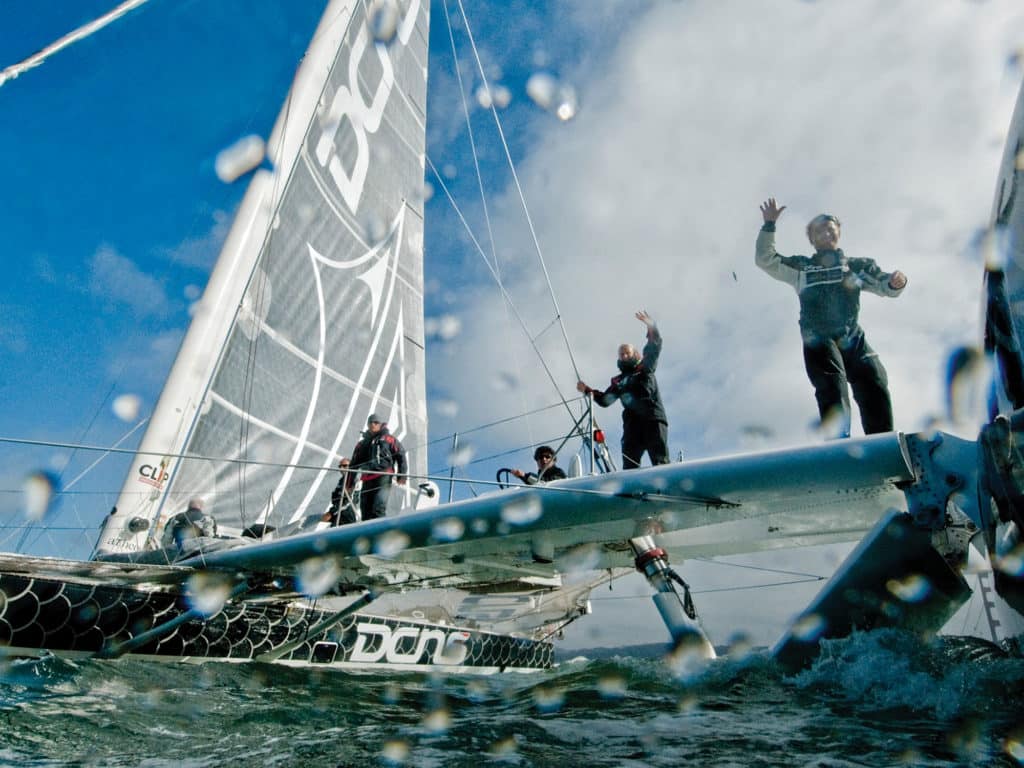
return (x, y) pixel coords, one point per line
(644, 424)
(375, 457)
(547, 469)
(828, 285)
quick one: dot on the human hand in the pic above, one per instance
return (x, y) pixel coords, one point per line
(518, 473)
(645, 318)
(581, 387)
(770, 211)
(401, 480)
(897, 280)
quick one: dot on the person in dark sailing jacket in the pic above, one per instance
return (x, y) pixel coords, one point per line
(376, 457)
(644, 423)
(547, 470)
(828, 285)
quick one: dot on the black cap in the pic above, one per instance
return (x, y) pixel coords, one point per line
(373, 417)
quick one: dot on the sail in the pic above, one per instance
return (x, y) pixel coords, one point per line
(313, 315)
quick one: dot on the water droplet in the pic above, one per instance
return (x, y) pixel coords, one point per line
(585, 557)
(740, 646)
(689, 656)
(126, 407)
(383, 18)
(548, 698)
(392, 693)
(855, 451)
(447, 408)
(375, 229)
(551, 95)
(913, 588)
(316, 575)
(506, 747)
(448, 529)
(966, 385)
(207, 592)
(461, 456)
(241, 157)
(192, 292)
(442, 328)
(479, 526)
(809, 628)
(391, 543)
(524, 510)
(1012, 563)
(395, 751)
(612, 686)
(497, 96)
(40, 491)
(437, 721)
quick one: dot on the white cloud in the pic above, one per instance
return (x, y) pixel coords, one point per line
(889, 115)
(118, 279)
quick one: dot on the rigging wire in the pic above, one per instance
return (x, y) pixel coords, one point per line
(519, 189)
(82, 32)
(480, 185)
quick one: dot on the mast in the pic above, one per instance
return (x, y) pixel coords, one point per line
(313, 314)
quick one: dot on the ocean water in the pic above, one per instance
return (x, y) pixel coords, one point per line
(875, 699)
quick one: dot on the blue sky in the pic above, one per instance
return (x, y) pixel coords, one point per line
(889, 114)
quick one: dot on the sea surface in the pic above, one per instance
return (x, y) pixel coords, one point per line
(875, 699)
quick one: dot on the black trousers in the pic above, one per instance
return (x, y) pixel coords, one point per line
(831, 363)
(641, 436)
(373, 499)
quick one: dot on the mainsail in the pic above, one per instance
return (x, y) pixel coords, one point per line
(313, 315)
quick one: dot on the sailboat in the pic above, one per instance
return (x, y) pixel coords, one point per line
(312, 319)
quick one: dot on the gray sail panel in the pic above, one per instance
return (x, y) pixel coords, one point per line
(330, 327)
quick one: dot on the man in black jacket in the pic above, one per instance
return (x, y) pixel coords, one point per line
(644, 423)
(828, 285)
(547, 470)
(375, 457)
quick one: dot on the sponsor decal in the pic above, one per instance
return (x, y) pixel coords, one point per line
(155, 476)
(408, 645)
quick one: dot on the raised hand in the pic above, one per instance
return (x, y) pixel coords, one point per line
(645, 318)
(770, 210)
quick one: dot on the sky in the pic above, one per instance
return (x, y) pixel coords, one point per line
(891, 115)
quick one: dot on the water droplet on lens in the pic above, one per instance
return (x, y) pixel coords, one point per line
(207, 592)
(612, 687)
(503, 380)
(580, 559)
(527, 509)
(809, 628)
(911, 589)
(966, 385)
(395, 751)
(40, 491)
(240, 158)
(503, 747)
(448, 529)
(437, 721)
(461, 456)
(391, 543)
(548, 698)
(316, 575)
(551, 95)
(383, 18)
(126, 407)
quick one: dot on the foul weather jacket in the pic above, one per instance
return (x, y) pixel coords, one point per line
(828, 285)
(637, 389)
(377, 454)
